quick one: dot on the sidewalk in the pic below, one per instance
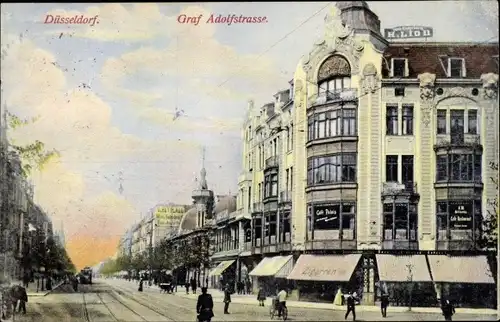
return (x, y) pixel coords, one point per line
(251, 299)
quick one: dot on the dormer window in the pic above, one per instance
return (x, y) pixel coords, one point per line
(456, 67)
(399, 67)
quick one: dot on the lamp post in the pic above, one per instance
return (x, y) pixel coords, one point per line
(410, 286)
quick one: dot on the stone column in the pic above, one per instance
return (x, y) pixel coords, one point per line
(426, 126)
(368, 280)
(489, 139)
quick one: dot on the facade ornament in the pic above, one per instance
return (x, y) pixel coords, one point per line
(457, 92)
(427, 82)
(338, 38)
(334, 26)
(333, 66)
(369, 79)
(490, 85)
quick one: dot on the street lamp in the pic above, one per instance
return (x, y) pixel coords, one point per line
(410, 286)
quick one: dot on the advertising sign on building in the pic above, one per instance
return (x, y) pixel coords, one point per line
(170, 216)
(326, 217)
(460, 217)
(408, 32)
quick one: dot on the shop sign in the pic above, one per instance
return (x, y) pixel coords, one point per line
(460, 217)
(326, 217)
(408, 32)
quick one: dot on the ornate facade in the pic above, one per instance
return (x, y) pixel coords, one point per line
(391, 149)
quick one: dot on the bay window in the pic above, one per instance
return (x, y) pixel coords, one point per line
(458, 167)
(332, 169)
(400, 221)
(339, 122)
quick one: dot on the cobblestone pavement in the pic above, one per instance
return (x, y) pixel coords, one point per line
(120, 301)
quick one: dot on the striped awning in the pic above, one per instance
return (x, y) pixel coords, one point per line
(324, 267)
(273, 266)
(403, 268)
(460, 269)
(221, 268)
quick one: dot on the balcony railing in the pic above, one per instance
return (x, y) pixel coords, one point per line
(341, 95)
(457, 139)
(258, 207)
(285, 196)
(272, 162)
(394, 188)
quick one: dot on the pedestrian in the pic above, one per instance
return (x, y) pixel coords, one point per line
(205, 306)
(74, 281)
(221, 283)
(26, 279)
(249, 286)
(193, 285)
(18, 294)
(448, 310)
(282, 295)
(351, 300)
(141, 285)
(186, 285)
(261, 296)
(384, 302)
(337, 301)
(227, 298)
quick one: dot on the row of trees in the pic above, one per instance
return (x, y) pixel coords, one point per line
(38, 250)
(191, 252)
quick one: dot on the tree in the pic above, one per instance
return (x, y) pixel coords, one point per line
(489, 238)
(34, 155)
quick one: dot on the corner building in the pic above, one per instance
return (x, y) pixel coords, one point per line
(386, 180)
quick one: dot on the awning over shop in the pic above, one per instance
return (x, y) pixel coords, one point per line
(221, 268)
(403, 268)
(273, 266)
(460, 269)
(325, 267)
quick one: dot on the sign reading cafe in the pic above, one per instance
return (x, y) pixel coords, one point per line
(460, 217)
(326, 217)
(407, 32)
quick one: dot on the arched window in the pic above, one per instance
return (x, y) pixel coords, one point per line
(334, 75)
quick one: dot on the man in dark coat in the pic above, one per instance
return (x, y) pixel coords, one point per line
(384, 302)
(18, 293)
(205, 306)
(448, 310)
(193, 285)
(227, 298)
(351, 301)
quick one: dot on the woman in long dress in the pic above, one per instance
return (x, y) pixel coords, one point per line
(337, 301)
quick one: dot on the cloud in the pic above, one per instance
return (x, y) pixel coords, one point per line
(198, 63)
(77, 122)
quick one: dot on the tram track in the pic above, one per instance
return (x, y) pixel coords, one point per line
(85, 311)
(124, 293)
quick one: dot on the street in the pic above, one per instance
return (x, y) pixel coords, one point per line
(117, 300)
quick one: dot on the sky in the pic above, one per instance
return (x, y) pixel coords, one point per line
(106, 95)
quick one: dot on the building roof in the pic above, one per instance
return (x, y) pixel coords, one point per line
(189, 220)
(342, 5)
(425, 57)
(225, 203)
